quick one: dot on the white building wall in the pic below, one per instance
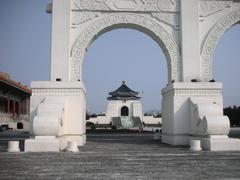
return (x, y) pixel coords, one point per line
(114, 108)
(100, 120)
(152, 120)
(137, 109)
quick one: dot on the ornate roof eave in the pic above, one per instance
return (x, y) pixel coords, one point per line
(123, 89)
(123, 98)
(123, 94)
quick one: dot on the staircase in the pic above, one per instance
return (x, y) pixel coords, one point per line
(136, 121)
(116, 121)
(126, 122)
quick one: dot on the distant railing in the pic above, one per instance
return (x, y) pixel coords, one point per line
(10, 117)
(24, 117)
(5, 117)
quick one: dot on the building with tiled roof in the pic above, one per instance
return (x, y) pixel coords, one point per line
(14, 103)
(123, 93)
(124, 110)
(124, 107)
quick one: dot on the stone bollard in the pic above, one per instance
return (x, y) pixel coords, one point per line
(156, 135)
(195, 145)
(13, 146)
(72, 146)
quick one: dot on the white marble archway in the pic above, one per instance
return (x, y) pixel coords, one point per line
(187, 32)
(126, 20)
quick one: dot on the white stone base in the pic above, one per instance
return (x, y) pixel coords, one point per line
(42, 144)
(72, 146)
(176, 118)
(67, 122)
(79, 139)
(175, 139)
(220, 143)
(195, 145)
(157, 136)
(13, 146)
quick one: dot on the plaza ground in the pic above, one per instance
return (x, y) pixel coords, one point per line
(121, 155)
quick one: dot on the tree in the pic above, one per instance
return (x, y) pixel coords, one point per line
(233, 114)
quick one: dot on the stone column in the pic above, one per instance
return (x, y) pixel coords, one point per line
(60, 48)
(176, 119)
(190, 40)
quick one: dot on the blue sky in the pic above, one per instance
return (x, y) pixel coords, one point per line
(123, 54)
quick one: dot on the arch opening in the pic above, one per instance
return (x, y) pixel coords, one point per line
(132, 21)
(131, 55)
(124, 111)
(19, 125)
(226, 65)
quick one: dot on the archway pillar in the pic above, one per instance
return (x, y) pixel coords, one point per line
(60, 42)
(191, 110)
(194, 111)
(57, 115)
(190, 43)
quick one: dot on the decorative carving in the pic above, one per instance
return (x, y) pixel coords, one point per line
(168, 18)
(124, 4)
(167, 5)
(212, 39)
(81, 17)
(169, 46)
(193, 90)
(127, 5)
(57, 92)
(209, 7)
(90, 5)
(204, 115)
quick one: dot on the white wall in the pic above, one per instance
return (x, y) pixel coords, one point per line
(100, 120)
(152, 120)
(114, 108)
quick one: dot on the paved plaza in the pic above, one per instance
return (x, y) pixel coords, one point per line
(120, 156)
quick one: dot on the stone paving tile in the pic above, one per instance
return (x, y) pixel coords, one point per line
(121, 156)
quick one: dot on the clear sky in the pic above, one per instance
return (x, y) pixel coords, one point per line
(123, 54)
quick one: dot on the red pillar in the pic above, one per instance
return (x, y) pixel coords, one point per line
(8, 105)
(14, 107)
(18, 111)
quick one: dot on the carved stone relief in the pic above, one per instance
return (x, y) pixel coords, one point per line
(90, 5)
(212, 39)
(81, 17)
(209, 7)
(57, 92)
(127, 5)
(170, 19)
(142, 23)
(165, 11)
